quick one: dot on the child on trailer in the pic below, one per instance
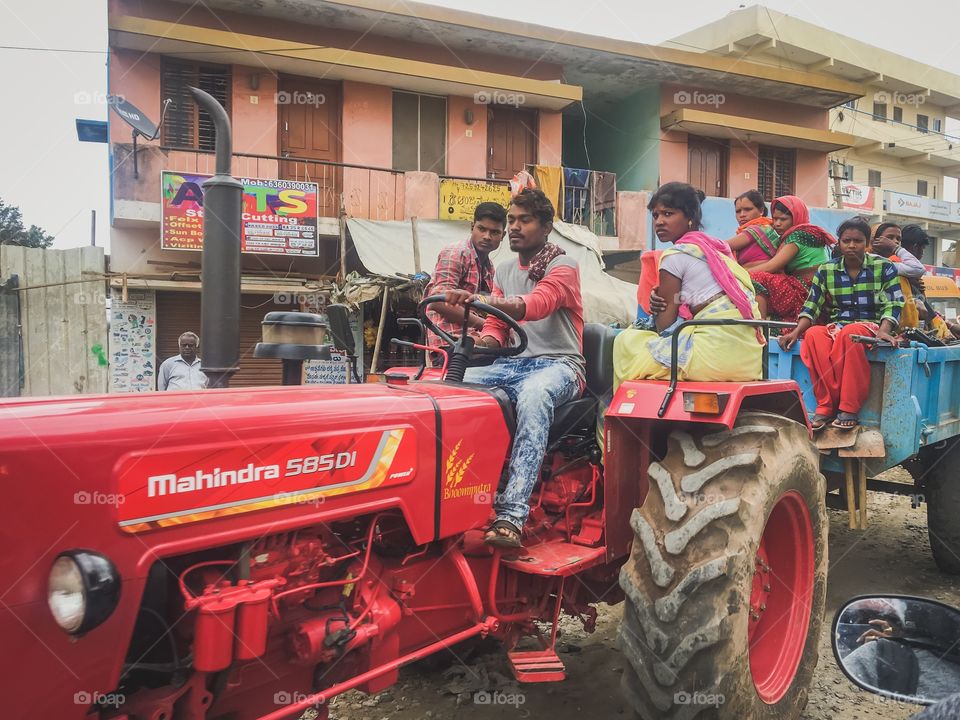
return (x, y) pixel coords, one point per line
(862, 294)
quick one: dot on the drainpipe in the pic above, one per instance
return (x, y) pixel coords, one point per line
(220, 265)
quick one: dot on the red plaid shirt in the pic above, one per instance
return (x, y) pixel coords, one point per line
(458, 268)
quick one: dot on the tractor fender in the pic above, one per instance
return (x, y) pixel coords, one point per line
(641, 400)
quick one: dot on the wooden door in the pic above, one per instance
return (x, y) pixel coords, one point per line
(511, 141)
(309, 123)
(707, 166)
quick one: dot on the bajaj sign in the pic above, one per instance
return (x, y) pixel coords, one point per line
(921, 207)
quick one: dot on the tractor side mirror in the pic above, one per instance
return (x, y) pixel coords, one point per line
(338, 319)
(901, 647)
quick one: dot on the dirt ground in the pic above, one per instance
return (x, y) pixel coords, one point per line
(892, 555)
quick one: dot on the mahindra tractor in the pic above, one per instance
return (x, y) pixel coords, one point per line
(199, 555)
(250, 554)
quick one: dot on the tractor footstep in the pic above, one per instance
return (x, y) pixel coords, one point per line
(536, 666)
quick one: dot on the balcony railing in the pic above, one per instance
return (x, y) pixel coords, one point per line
(370, 193)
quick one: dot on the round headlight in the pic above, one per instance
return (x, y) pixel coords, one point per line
(65, 594)
(83, 590)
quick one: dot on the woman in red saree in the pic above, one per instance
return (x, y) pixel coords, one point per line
(756, 241)
(783, 282)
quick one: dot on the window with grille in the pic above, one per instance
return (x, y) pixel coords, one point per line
(898, 114)
(186, 125)
(923, 122)
(419, 132)
(776, 171)
(922, 187)
(880, 112)
(873, 178)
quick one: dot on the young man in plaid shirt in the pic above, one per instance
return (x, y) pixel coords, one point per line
(862, 294)
(466, 266)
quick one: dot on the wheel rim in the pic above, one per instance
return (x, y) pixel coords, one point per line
(781, 597)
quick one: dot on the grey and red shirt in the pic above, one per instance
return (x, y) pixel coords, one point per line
(554, 310)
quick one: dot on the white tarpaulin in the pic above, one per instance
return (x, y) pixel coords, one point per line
(385, 247)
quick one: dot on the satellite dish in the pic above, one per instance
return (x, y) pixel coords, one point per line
(134, 117)
(138, 120)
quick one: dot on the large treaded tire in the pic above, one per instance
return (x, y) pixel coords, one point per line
(941, 483)
(691, 573)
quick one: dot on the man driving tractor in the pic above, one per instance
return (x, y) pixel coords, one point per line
(541, 288)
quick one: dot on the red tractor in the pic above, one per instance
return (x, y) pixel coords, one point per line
(251, 553)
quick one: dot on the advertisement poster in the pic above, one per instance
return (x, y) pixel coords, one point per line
(133, 341)
(860, 197)
(459, 198)
(279, 216)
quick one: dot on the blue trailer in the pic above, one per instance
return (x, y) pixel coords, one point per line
(911, 418)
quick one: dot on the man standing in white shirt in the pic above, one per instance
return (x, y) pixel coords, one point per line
(182, 372)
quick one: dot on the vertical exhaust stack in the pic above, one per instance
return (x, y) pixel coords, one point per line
(220, 270)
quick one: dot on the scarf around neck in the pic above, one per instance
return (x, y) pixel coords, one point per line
(760, 221)
(538, 266)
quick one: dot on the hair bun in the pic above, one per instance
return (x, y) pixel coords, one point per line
(701, 195)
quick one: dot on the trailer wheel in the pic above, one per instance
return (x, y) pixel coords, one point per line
(726, 582)
(941, 485)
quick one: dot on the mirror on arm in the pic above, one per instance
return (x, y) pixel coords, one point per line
(899, 646)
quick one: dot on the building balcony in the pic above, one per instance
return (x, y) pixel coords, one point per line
(368, 193)
(908, 143)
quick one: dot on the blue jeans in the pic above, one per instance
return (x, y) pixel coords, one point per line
(537, 386)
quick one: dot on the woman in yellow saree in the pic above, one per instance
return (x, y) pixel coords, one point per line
(698, 278)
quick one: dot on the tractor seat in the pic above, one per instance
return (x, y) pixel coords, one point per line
(581, 414)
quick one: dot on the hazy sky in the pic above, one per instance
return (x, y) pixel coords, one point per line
(57, 180)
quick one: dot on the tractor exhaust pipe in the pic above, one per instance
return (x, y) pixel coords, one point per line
(220, 264)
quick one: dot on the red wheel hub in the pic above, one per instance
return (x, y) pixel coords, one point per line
(781, 597)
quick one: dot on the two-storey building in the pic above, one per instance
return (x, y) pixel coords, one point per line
(344, 108)
(902, 153)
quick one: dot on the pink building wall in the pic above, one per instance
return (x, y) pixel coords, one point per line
(811, 167)
(812, 172)
(550, 138)
(253, 113)
(673, 157)
(466, 143)
(136, 79)
(742, 173)
(367, 134)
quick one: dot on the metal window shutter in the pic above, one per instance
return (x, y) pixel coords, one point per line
(178, 312)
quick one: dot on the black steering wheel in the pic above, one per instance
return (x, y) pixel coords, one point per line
(464, 344)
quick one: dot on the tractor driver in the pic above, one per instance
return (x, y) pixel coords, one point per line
(541, 288)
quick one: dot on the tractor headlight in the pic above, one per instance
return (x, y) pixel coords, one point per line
(83, 590)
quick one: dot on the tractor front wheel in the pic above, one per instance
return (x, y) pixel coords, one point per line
(726, 582)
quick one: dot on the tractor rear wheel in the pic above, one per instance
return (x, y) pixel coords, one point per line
(726, 582)
(941, 485)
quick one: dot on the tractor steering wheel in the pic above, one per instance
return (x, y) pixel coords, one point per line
(464, 344)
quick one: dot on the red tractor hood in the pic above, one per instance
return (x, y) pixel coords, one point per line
(138, 478)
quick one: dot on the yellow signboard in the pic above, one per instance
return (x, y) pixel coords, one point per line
(937, 286)
(459, 198)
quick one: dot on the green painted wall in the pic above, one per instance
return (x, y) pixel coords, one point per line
(624, 140)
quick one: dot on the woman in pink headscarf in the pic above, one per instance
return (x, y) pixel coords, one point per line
(698, 278)
(783, 282)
